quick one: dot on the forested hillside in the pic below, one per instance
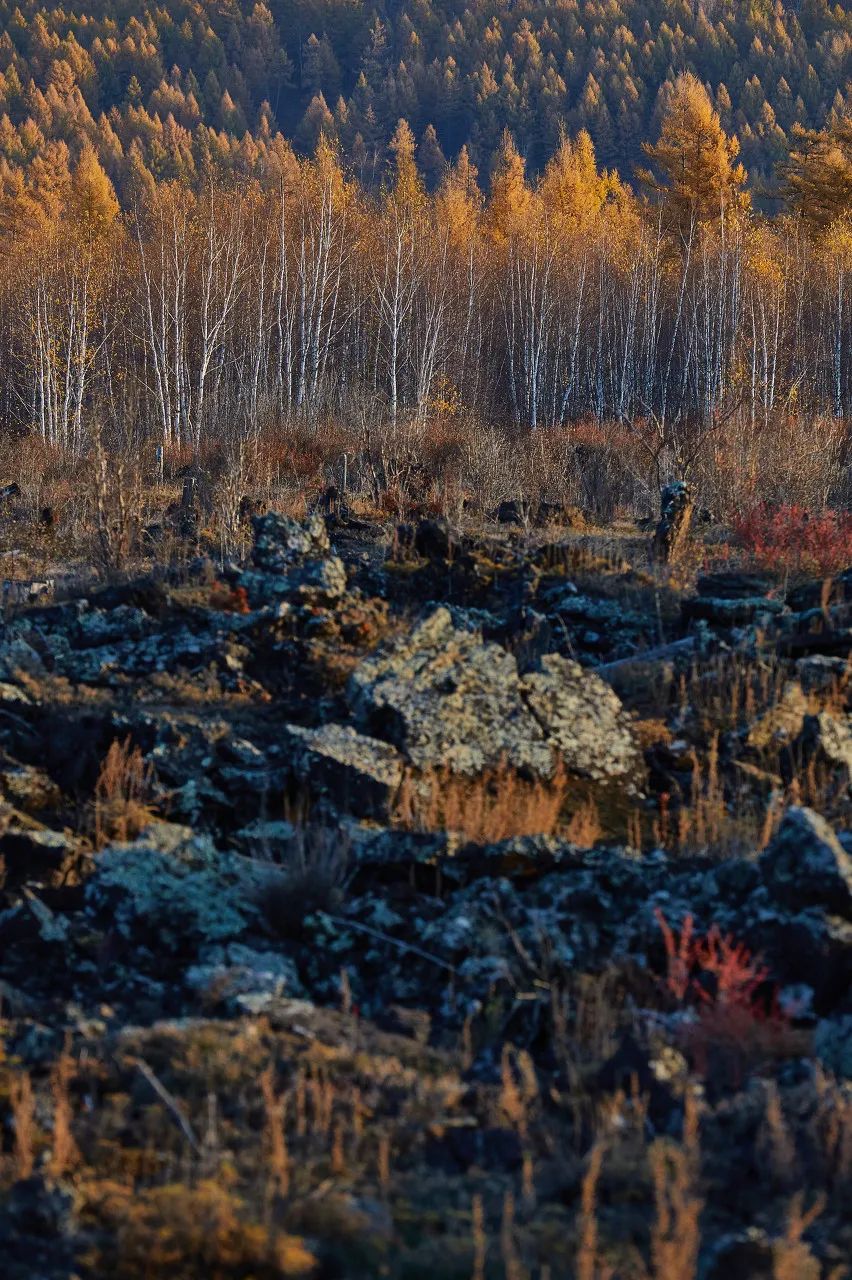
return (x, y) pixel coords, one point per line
(168, 85)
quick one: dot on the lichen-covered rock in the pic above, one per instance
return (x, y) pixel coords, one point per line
(806, 865)
(730, 611)
(28, 787)
(583, 718)
(280, 543)
(316, 582)
(293, 562)
(781, 724)
(358, 774)
(448, 700)
(175, 888)
(833, 1045)
(819, 672)
(734, 584)
(243, 977)
(827, 739)
(32, 853)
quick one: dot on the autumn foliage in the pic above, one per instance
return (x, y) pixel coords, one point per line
(790, 539)
(732, 1020)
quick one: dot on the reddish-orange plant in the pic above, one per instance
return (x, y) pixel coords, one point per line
(791, 539)
(736, 1021)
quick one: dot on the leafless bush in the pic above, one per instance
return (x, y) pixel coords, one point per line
(312, 876)
(117, 504)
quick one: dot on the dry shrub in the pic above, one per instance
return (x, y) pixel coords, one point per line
(197, 1233)
(275, 1109)
(118, 507)
(589, 1265)
(229, 599)
(122, 794)
(479, 1238)
(793, 1259)
(494, 806)
(312, 876)
(787, 457)
(584, 826)
(737, 1022)
(675, 1234)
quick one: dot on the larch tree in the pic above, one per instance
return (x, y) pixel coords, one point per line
(93, 202)
(408, 190)
(818, 174)
(573, 189)
(695, 173)
(459, 201)
(511, 202)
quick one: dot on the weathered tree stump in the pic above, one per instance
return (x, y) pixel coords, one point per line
(677, 503)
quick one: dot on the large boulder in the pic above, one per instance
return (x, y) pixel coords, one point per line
(280, 543)
(448, 700)
(827, 740)
(175, 890)
(805, 864)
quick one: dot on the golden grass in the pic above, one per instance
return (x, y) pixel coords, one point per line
(494, 806)
(121, 807)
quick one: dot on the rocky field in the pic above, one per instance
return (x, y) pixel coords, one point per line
(411, 902)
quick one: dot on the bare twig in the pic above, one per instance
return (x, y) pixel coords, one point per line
(386, 937)
(168, 1099)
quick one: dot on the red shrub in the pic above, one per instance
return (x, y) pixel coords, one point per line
(229, 599)
(736, 1022)
(711, 970)
(792, 539)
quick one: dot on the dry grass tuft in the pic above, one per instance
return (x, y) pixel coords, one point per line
(675, 1233)
(64, 1154)
(122, 794)
(22, 1102)
(178, 1230)
(495, 806)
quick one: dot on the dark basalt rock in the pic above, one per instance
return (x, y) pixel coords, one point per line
(729, 611)
(734, 585)
(805, 864)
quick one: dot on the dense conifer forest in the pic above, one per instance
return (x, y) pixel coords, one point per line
(169, 86)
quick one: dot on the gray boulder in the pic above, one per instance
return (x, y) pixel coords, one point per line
(174, 886)
(292, 561)
(827, 740)
(448, 700)
(805, 864)
(583, 718)
(280, 543)
(243, 977)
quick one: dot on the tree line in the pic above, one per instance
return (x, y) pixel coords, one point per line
(666, 309)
